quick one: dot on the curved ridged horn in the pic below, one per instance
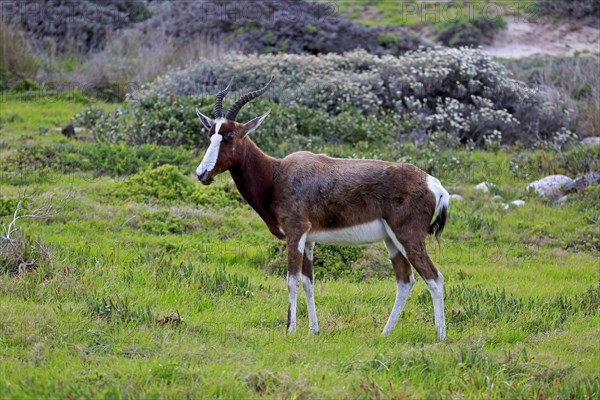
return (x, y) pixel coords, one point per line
(219, 100)
(236, 107)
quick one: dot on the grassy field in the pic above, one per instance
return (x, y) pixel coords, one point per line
(155, 296)
(407, 13)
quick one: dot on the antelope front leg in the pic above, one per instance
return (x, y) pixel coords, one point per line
(295, 254)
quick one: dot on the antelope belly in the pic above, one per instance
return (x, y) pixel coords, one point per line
(370, 232)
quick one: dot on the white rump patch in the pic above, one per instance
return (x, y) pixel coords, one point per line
(442, 198)
(370, 232)
(210, 158)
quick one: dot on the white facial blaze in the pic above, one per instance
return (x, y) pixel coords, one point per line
(212, 153)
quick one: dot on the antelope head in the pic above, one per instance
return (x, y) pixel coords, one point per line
(226, 135)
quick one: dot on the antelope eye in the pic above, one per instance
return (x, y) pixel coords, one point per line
(229, 136)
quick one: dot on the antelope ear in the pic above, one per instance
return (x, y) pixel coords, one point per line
(255, 123)
(207, 122)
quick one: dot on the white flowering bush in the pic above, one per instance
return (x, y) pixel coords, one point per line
(462, 92)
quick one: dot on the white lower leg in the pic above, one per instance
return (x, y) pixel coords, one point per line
(310, 303)
(293, 283)
(402, 291)
(436, 288)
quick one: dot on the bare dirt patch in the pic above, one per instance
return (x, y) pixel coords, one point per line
(523, 39)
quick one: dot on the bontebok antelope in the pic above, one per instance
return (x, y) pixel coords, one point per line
(308, 198)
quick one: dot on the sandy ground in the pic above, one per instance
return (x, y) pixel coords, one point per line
(522, 39)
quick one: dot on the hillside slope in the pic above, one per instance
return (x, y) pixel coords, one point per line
(524, 39)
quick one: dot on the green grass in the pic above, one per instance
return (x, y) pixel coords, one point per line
(402, 13)
(171, 300)
(33, 117)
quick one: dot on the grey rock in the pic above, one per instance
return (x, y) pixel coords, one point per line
(591, 141)
(580, 183)
(562, 200)
(484, 187)
(549, 186)
(68, 131)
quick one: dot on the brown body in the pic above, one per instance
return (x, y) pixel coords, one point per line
(325, 193)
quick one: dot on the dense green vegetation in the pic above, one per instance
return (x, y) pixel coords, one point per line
(382, 12)
(462, 95)
(468, 31)
(161, 288)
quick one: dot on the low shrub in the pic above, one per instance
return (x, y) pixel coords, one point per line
(353, 263)
(460, 92)
(468, 31)
(7, 206)
(19, 251)
(65, 25)
(152, 120)
(263, 26)
(17, 59)
(586, 11)
(164, 185)
(167, 185)
(164, 223)
(22, 254)
(132, 57)
(173, 122)
(119, 159)
(573, 78)
(285, 26)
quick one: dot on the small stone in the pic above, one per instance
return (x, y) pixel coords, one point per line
(484, 187)
(457, 197)
(497, 198)
(504, 206)
(562, 200)
(518, 203)
(591, 141)
(68, 131)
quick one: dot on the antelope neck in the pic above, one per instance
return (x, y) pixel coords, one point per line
(255, 179)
